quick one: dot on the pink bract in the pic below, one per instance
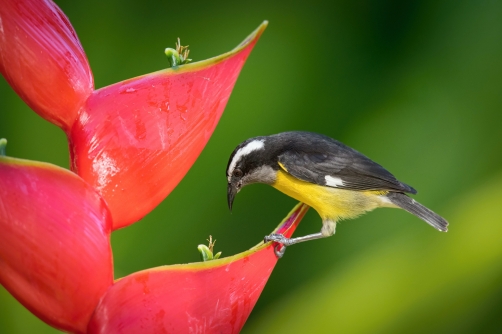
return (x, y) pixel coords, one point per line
(135, 140)
(42, 59)
(55, 254)
(207, 297)
(130, 144)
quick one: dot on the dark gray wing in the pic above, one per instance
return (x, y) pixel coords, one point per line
(340, 163)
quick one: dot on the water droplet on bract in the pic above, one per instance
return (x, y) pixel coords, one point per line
(130, 90)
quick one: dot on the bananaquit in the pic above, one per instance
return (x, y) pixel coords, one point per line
(334, 179)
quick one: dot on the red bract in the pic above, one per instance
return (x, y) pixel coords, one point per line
(55, 255)
(207, 297)
(42, 59)
(135, 140)
(132, 142)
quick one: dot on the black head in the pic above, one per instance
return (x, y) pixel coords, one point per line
(253, 161)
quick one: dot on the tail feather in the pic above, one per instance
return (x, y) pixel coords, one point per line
(413, 207)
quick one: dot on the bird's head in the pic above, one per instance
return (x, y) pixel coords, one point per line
(253, 161)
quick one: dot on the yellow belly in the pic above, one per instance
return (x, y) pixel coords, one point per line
(331, 203)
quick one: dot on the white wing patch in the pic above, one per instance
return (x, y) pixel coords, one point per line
(333, 181)
(386, 202)
(245, 150)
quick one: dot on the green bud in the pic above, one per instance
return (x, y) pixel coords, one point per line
(205, 253)
(3, 143)
(173, 57)
(178, 56)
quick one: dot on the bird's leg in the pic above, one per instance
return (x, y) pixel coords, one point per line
(328, 229)
(284, 242)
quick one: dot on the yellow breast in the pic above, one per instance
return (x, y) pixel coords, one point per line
(331, 203)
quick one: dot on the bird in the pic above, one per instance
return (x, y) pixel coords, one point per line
(336, 180)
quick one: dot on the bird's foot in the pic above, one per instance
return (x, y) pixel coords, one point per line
(278, 238)
(282, 240)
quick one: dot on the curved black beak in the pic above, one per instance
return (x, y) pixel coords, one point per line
(231, 192)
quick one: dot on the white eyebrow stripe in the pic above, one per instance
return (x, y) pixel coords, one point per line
(333, 181)
(250, 147)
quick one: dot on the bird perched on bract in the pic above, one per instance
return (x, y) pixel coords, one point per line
(334, 179)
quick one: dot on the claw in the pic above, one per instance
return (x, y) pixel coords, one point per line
(279, 250)
(277, 238)
(281, 247)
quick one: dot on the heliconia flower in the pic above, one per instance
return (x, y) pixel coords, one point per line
(131, 143)
(42, 59)
(135, 140)
(55, 255)
(55, 258)
(207, 297)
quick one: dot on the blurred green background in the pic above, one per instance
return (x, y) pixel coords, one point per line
(415, 85)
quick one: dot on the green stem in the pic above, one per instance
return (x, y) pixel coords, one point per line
(3, 143)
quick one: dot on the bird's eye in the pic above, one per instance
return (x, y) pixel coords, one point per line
(237, 173)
